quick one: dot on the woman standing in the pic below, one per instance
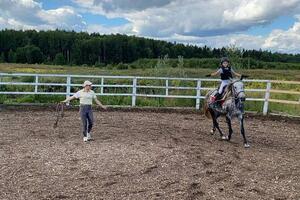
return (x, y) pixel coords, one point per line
(86, 97)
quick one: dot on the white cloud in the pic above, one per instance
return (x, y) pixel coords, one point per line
(63, 18)
(192, 17)
(259, 10)
(213, 23)
(28, 14)
(88, 6)
(206, 18)
(238, 40)
(284, 41)
(114, 5)
(14, 24)
(23, 11)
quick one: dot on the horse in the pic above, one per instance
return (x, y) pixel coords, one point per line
(232, 106)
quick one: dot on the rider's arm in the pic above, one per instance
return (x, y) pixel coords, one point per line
(216, 73)
(235, 73)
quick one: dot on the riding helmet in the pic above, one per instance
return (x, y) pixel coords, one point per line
(224, 59)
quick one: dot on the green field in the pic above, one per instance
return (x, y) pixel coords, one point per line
(267, 74)
(163, 71)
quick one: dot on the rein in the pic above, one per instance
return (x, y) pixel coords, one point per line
(59, 113)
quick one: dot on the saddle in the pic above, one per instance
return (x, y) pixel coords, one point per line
(217, 101)
(215, 98)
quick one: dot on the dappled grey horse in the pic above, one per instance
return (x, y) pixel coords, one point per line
(232, 106)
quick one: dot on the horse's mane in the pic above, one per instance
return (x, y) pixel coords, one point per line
(228, 92)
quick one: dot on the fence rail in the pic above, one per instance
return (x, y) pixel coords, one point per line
(135, 86)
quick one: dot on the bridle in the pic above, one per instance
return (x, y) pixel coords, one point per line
(237, 100)
(236, 94)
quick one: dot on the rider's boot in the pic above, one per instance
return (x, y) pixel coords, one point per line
(217, 103)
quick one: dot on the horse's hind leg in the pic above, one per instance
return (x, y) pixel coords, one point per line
(216, 125)
(241, 119)
(228, 120)
(213, 130)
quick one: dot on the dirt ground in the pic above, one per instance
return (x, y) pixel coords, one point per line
(146, 155)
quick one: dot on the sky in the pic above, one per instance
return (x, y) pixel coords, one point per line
(251, 24)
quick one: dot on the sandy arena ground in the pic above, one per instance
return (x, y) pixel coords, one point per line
(146, 155)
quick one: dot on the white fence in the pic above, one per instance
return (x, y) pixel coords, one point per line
(8, 79)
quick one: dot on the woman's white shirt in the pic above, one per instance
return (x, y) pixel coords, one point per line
(85, 98)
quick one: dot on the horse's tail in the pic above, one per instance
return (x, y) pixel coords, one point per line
(206, 108)
(206, 111)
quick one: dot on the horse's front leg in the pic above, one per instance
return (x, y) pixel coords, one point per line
(228, 120)
(213, 130)
(241, 119)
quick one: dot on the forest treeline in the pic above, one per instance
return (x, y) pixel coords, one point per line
(73, 48)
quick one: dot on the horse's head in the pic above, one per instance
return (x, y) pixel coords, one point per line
(238, 90)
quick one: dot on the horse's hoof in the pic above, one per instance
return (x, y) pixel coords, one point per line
(212, 131)
(246, 145)
(224, 137)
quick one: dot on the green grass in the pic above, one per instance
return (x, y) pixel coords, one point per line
(163, 72)
(291, 75)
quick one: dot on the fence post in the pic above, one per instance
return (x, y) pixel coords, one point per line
(102, 83)
(68, 87)
(133, 99)
(167, 87)
(198, 94)
(36, 84)
(267, 96)
(1, 84)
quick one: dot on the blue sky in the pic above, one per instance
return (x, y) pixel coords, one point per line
(282, 22)
(53, 4)
(91, 18)
(252, 24)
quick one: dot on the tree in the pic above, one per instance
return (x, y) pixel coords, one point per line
(82, 48)
(11, 58)
(33, 54)
(59, 59)
(29, 54)
(235, 55)
(21, 55)
(2, 57)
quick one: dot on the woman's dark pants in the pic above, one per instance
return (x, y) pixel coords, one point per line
(87, 119)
